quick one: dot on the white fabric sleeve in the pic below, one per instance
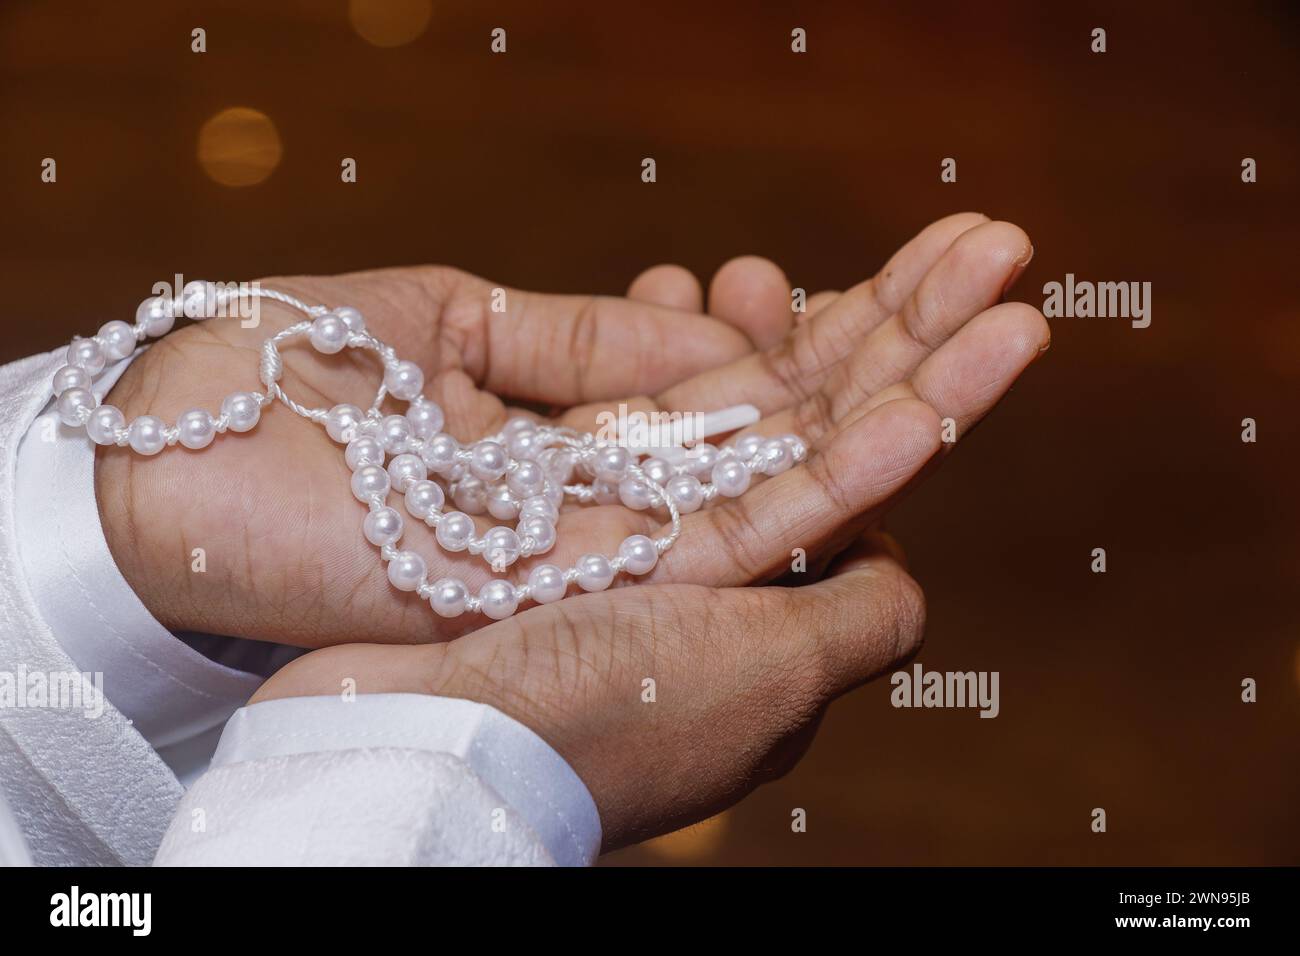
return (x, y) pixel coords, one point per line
(382, 779)
(83, 785)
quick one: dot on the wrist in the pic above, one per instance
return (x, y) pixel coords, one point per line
(131, 544)
(131, 496)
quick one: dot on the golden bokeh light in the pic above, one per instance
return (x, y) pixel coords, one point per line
(694, 844)
(239, 147)
(390, 22)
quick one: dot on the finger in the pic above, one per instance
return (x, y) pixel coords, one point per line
(970, 277)
(873, 615)
(965, 378)
(753, 294)
(819, 565)
(796, 368)
(572, 349)
(816, 506)
(816, 303)
(671, 286)
(749, 293)
(536, 347)
(470, 412)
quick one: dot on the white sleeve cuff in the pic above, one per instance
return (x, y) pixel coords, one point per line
(498, 756)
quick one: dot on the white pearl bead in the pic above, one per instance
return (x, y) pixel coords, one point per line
(406, 570)
(605, 492)
(502, 504)
(498, 599)
(351, 318)
(546, 584)
(701, 459)
(242, 410)
(747, 446)
(500, 548)
(364, 450)
(635, 494)
(610, 463)
(731, 477)
(404, 380)
(525, 444)
(118, 338)
(70, 376)
(594, 572)
(657, 470)
(776, 455)
(196, 429)
(369, 481)
(72, 403)
(541, 506)
(516, 425)
(156, 315)
(540, 530)
(687, 493)
(395, 433)
(103, 424)
(426, 419)
(797, 447)
(329, 334)
(405, 470)
(147, 435)
(639, 554)
(422, 498)
(341, 418)
(439, 453)
(382, 526)
(447, 597)
(86, 353)
(470, 495)
(454, 531)
(489, 461)
(527, 479)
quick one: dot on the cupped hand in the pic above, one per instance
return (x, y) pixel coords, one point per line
(674, 698)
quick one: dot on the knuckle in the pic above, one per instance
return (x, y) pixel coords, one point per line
(440, 281)
(583, 332)
(830, 482)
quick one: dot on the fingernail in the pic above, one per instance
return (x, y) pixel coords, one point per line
(1018, 269)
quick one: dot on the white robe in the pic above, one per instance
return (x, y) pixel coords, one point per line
(381, 779)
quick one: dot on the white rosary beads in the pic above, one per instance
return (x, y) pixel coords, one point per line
(522, 474)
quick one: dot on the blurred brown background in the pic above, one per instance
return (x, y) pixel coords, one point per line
(1119, 690)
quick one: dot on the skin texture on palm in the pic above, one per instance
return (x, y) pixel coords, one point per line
(744, 670)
